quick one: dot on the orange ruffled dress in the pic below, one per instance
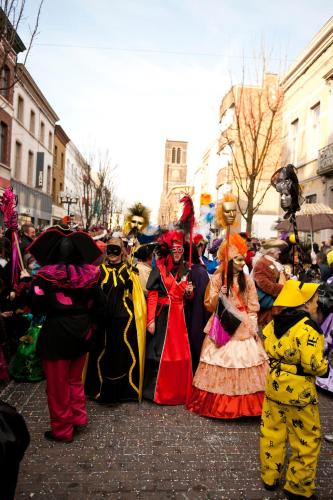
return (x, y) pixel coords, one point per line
(230, 380)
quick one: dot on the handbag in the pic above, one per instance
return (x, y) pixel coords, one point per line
(266, 301)
(230, 317)
(217, 333)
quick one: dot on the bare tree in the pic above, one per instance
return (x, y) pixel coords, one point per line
(253, 136)
(98, 199)
(12, 19)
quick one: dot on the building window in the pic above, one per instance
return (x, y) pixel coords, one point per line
(311, 198)
(55, 155)
(5, 81)
(293, 142)
(50, 141)
(18, 160)
(3, 142)
(62, 161)
(30, 179)
(173, 160)
(48, 180)
(42, 132)
(32, 125)
(54, 188)
(20, 108)
(178, 155)
(315, 129)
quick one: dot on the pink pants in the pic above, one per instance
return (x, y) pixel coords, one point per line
(65, 395)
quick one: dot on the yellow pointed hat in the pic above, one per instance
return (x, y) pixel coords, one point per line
(294, 293)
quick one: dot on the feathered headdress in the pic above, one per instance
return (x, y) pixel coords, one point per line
(229, 249)
(8, 204)
(186, 221)
(219, 214)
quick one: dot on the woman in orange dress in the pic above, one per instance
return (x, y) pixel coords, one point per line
(230, 380)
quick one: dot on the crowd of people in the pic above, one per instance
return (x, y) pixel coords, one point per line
(105, 317)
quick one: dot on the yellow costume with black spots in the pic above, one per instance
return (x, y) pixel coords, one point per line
(294, 344)
(116, 362)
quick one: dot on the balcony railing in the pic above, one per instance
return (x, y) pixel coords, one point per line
(325, 160)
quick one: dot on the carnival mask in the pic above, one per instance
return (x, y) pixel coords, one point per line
(137, 222)
(113, 250)
(229, 212)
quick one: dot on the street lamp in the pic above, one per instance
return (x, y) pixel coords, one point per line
(68, 200)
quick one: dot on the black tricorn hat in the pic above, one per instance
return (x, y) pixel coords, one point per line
(144, 251)
(50, 247)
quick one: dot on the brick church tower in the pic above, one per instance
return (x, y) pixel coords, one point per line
(175, 172)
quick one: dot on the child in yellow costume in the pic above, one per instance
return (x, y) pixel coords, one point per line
(294, 344)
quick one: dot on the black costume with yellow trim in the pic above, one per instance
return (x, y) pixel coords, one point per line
(294, 344)
(115, 366)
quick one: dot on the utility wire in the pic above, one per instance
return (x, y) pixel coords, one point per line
(153, 51)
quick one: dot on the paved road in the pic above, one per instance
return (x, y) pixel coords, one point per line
(146, 451)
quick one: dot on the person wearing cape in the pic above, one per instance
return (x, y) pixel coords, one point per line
(65, 290)
(230, 379)
(116, 361)
(168, 370)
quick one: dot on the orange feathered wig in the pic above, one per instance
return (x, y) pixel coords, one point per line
(237, 245)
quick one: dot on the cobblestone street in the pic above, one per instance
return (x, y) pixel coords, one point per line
(147, 451)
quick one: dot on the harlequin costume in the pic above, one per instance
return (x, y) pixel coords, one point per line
(115, 367)
(168, 371)
(294, 344)
(65, 290)
(230, 379)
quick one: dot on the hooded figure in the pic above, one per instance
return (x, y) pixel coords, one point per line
(65, 290)
(294, 343)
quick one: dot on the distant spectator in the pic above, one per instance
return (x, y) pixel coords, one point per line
(28, 234)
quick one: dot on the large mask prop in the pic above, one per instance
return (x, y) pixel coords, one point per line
(137, 219)
(226, 211)
(286, 183)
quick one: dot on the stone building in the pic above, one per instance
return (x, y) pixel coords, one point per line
(308, 119)
(32, 150)
(8, 60)
(58, 173)
(175, 172)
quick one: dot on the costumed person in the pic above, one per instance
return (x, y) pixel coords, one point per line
(195, 312)
(115, 366)
(14, 440)
(268, 274)
(26, 365)
(65, 290)
(168, 370)
(294, 343)
(144, 255)
(200, 243)
(325, 319)
(230, 379)
(213, 263)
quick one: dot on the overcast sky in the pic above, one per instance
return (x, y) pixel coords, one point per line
(125, 75)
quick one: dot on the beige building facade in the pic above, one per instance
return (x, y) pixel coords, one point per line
(250, 137)
(308, 119)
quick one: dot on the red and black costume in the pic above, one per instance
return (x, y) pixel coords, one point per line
(168, 369)
(67, 293)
